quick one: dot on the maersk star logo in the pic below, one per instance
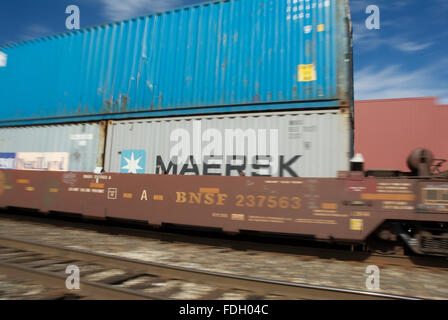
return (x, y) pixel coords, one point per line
(133, 161)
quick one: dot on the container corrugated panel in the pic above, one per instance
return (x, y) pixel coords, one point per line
(70, 147)
(227, 56)
(406, 124)
(300, 143)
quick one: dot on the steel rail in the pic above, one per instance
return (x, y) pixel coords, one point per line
(88, 289)
(289, 290)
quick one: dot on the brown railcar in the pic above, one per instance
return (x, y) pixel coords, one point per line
(355, 207)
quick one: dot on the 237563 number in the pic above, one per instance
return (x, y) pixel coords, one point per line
(271, 202)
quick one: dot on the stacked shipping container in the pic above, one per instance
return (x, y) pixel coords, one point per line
(70, 147)
(406, 124)
(312, 144)
(225, 57)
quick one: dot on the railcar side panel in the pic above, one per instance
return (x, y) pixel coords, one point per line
(333, 209)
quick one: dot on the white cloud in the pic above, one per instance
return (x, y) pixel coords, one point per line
(124, 9)
(359, 31)
(394, 82)
(368, 40)
(34, 31)
(365, 39)
(409, 46)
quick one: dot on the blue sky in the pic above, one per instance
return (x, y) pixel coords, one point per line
(406, 57)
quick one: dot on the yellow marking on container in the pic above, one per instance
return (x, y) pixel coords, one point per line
(97, 185)
(329, 206)
(325, 210)
(330, 214)
(268, 219)
(306, 73)
(127, 195)
(380, 196)
(238, 217)
(317, 221)
(29, 188)
(220, 215)
(158, 197)
(209, 190)
(23, 181)
(356, 224)
(360, 213)
(320, 28)
(54, 190)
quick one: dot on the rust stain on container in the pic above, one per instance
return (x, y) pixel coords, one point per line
(125, 101)
(294, 91)
(102, 143)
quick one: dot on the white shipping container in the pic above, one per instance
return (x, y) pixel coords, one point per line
(299, 143)
(62, 147)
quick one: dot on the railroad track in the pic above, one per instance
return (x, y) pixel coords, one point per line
(217, 240)
(111, 277)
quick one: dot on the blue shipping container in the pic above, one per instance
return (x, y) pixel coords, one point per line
(227, 56)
